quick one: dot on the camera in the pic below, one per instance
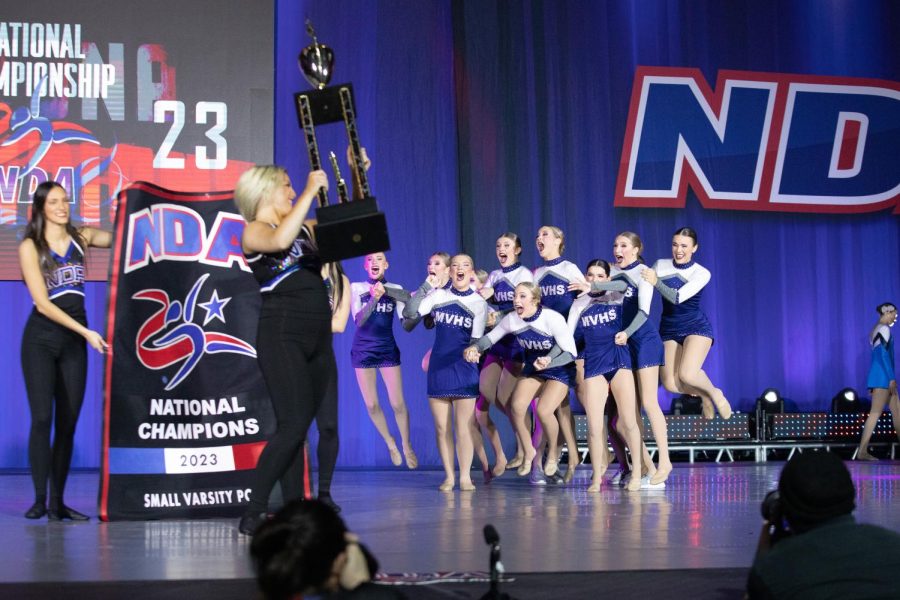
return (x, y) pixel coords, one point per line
(773, 511)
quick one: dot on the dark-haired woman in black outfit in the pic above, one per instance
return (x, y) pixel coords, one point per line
(54, 352)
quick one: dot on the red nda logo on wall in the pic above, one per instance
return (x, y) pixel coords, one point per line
(761, 141)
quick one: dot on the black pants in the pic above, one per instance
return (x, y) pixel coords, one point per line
(326, 451)
(297, 362)
(54, 363)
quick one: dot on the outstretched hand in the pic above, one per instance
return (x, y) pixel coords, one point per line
(437, 281)
(542, 363)
(583, 287)
(471, 354)
(315, 180)
(96, 341)
(650, 276)
(365, 158)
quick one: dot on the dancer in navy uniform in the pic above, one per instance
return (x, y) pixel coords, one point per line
(882, 382)
(373, 304)
(686, 333)
(294, 337)
(503, 361)
(54, 353)
(459, 316)
(554, 277)
(594, 319)
(549, 369)
(644, 344)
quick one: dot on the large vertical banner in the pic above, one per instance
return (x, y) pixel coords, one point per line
(186, 408)
(97, 95)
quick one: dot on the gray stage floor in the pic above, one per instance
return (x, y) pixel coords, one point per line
(707, 517)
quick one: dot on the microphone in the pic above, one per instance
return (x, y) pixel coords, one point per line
(491, 536)
(492, 539)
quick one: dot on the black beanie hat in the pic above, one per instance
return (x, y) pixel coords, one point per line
(816, 486)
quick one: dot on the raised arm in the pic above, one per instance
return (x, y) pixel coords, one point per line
(563, 351)
(362, 311)
(473, 352)
(367, 164)
(413, 308)
(99, 238)
(617, 285)
(262, 237)
(697, 281)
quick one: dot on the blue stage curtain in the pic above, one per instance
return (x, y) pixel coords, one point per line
(399, 57)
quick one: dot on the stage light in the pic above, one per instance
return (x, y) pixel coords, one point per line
(845, 401)
(770, 402)
(686, 404)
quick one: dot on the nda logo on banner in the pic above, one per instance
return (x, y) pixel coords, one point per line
(761, 141)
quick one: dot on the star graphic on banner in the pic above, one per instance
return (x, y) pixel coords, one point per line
(214, 307)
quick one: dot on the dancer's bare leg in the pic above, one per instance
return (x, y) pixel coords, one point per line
(668, 374)
(507, 382)
(478, 443)
(486, 426)
(879, 399)
(538, 440)
(393, 381)
(672, 382)
(489, 387)
(567, 429)
(615, 436)
(463, 410)
(552, 396)
(649, 386)
(596, 391)
(525, 390)
(622, 386)
(441, 411)
(894, 406)
(691, 373)
(368, 387)
(581, 392)
(647, 466)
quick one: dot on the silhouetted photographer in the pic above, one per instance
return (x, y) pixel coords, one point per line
(305, 551)
(811, 546)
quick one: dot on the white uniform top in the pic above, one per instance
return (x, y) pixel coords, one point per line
(463, 310)
(554, 277)
(692, 279)
(504, 282)
(537, 335)
(638, 295)
(881, 335)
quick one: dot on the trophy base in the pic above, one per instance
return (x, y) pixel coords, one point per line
(351, 229)
(325, 104)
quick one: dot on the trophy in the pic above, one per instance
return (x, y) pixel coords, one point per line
(352, 227)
